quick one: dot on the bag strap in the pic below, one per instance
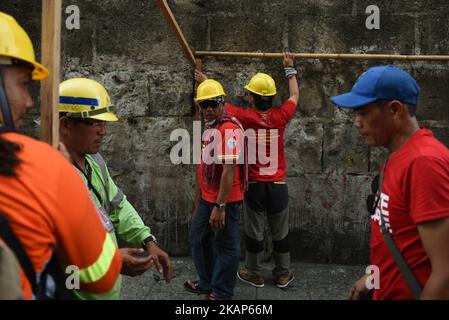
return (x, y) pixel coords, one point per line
(88, 175)
(104, 173)
(407, 273)
(14, 244)
(52, 269)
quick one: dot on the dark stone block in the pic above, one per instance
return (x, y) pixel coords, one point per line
(434, 96)
(303, 147)
(334, 34)
(78, 43)
(246, 33)
(344, 150)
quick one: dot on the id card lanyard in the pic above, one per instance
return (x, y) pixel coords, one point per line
(109, 226)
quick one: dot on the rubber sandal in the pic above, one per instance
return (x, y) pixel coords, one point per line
(193, 286)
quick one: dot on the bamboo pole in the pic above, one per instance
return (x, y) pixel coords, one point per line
(197, 117)
(197, 112)
(172, 21)
(350, 56)
(51, 44)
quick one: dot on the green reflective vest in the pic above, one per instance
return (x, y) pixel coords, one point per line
(127, 222)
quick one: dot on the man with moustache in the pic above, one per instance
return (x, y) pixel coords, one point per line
(214, 233)
(85, 109)
(411, 211)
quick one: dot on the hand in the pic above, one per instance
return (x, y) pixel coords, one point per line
(199, 76)
(359, 289)
(134, 265)
(161, 260)
(63, 150)
(288, 59)
(217, 219)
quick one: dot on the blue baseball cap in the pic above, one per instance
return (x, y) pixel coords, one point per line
(380, 83)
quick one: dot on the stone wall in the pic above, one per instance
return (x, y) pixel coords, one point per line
(129, 47)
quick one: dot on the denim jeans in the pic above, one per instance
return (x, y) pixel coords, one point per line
(216, 253)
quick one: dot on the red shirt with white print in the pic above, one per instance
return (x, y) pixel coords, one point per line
(228, 149)
(267, 160)
(415, 190)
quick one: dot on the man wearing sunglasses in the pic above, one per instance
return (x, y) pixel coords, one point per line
(267, 195)
(85, 109)
(411, 209)
(214, 233)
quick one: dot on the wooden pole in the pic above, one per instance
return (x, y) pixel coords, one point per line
(349, 56)
(51, 45)
(197, 117)
(198, 64)
(197, 113)
(172, 21)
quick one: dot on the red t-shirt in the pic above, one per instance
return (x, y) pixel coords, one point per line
(415, 190)
(228, 149)
(267, 161)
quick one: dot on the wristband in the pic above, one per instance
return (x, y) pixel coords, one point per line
(290, 71)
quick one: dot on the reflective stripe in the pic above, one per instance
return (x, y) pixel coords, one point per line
(108, 205)
(104, 173)
(81, 101)
(117, 199)
(101, 267)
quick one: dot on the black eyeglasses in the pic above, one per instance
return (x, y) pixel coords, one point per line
(209, 103)
(90, 122)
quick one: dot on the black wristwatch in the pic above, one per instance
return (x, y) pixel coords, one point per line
(149, 239)
(221, 206)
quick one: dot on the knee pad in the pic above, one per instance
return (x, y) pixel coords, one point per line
(281, 246)
(252, 245)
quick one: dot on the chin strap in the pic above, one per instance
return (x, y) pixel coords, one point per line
(8, 122)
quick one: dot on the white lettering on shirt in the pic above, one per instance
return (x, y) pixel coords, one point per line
(382, 208)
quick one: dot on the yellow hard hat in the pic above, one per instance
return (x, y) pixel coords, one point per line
(85, 98)
(262, 84)
(16, 44)
(209, 89)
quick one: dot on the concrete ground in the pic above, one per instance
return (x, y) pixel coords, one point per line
(312, 282)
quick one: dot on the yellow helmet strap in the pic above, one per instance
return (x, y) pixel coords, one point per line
(7, 62)
(88, 114)
(8, 122)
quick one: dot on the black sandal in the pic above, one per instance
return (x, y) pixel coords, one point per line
(194, 287)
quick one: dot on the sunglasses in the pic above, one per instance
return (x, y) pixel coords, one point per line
(209, 103)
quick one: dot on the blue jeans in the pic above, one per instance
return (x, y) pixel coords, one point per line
(216, 254)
